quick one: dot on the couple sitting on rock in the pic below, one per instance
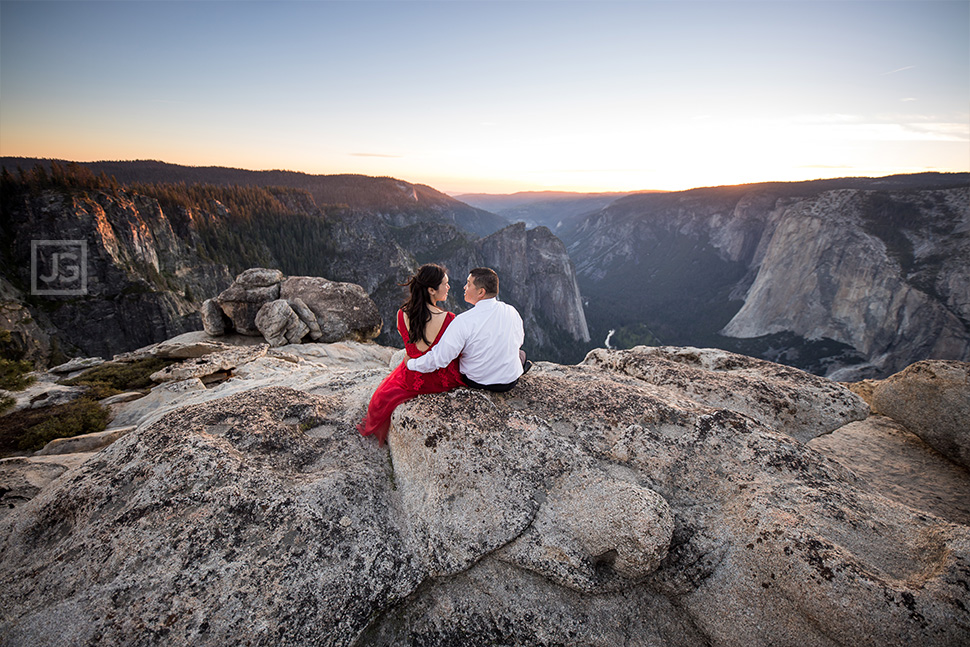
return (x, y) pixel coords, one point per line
(479, 348)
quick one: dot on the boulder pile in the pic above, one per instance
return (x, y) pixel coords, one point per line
(285, 310)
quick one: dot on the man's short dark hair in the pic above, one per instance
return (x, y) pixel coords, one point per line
(485, 277)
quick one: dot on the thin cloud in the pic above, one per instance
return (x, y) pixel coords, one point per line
(908, 67)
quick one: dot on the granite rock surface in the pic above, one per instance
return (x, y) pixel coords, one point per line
(595, 504)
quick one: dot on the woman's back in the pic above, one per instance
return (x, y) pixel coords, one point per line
(431, 329)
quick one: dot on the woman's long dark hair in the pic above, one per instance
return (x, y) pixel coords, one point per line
(416, 307)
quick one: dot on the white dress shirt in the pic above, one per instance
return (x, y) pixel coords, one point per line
(487, 337)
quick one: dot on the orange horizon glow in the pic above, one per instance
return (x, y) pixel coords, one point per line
(624, 182)
(571, 97)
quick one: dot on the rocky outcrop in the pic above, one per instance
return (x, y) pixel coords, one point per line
(249, 292)
(619, 501)
(897, 464)
(285, 310)
(931, 399)
(785, 399)
(341, 310)
(550, 291)
(223, 361)
(280, 324)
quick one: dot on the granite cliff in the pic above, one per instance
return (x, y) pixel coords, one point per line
(653, 496)
(156, 251)
(850, 278)
(536, 276)
(143, 266)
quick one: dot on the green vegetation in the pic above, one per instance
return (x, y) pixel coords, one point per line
(114, 377)
(633, 335)
(13, 374)
(13, 370)
(65, 178)
(31, 429)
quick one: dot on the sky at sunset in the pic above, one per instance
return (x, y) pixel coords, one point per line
(495, 96)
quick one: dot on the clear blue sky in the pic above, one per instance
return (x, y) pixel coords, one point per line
(495, 96)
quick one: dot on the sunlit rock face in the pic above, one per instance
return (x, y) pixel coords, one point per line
(538, 274)
(143, 268)
(639, 497)
(846, 278)
(836, 267)
(931, 398)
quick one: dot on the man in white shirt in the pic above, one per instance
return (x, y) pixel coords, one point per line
(487, 338)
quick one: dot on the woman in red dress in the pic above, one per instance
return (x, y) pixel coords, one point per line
(421, 323)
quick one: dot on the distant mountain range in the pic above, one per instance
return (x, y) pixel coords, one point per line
(852, 277)
(849, 277)
(552, 209)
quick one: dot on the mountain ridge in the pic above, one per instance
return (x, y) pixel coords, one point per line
(682, 268)
(400, 201)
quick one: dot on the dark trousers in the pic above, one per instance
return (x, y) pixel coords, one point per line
(498, 388)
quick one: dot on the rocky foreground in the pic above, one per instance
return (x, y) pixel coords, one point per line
(656, 496)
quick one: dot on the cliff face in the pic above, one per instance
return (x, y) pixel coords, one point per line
(853, 282)
(536, 276)
(836, 267)
(154, 256)
(142, 269)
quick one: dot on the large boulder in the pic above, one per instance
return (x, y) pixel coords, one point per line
(221, 524)
(214, 320)
(342, 310)
(285, 310)
(307, 317)
(771, 541)
(931, 398)
(900, 465)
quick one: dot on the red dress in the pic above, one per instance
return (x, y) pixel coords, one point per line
(403, 384)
